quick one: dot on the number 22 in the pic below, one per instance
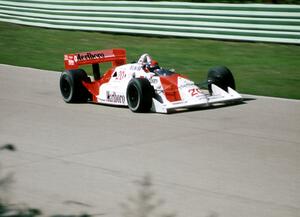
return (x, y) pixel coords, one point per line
(194, 91)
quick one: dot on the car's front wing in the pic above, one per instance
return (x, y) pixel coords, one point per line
(218, 96)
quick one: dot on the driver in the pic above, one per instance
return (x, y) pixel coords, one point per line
(148, 64)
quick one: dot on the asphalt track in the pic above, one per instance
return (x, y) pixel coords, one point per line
(233, 161)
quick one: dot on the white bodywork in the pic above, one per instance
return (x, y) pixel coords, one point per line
(114, 91)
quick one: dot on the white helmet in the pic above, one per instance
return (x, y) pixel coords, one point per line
(145, 59)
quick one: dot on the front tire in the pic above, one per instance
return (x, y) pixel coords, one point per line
(220, 76)
(139, 95)
(71, 87)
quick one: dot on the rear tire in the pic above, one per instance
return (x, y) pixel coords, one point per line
(71, 87)
(139, 95)
(220, 76)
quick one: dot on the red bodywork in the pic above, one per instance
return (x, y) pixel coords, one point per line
(116, 56)
(170, 87)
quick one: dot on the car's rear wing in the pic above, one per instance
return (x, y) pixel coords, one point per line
(116, 56)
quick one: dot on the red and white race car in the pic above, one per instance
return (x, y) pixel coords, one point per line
(142, 86)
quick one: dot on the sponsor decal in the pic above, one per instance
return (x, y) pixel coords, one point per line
(153, 80)
(215, 97)
(71, 62)
(115, 98)
(135, 67)
(89, 56)
(179, 102)
(186, 85)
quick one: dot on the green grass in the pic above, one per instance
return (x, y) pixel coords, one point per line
(259, 68)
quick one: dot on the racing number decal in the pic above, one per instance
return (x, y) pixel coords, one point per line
(121, 75)
(194, 91)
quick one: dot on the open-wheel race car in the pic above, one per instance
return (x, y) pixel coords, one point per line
(143, 86)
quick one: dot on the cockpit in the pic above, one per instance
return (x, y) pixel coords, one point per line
(150, 65)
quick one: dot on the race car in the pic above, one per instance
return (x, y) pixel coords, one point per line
(143, 86)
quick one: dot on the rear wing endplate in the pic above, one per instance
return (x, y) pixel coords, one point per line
(116, 56)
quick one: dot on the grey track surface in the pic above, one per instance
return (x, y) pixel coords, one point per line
(234, 161)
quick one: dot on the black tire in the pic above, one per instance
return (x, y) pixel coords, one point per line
(139, 95)
(220, 76)
(71, 87)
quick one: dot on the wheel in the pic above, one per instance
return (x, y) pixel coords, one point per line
(71, 87)
(139, 95)
(220, 76)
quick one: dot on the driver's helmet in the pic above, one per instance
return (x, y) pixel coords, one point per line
(148, 63)
(153, 67)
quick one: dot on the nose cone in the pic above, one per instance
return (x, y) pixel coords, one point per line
(170, 86)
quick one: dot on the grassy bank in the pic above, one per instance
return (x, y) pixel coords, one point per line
(259, 68)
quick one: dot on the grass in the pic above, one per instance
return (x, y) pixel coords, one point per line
(259, 68)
